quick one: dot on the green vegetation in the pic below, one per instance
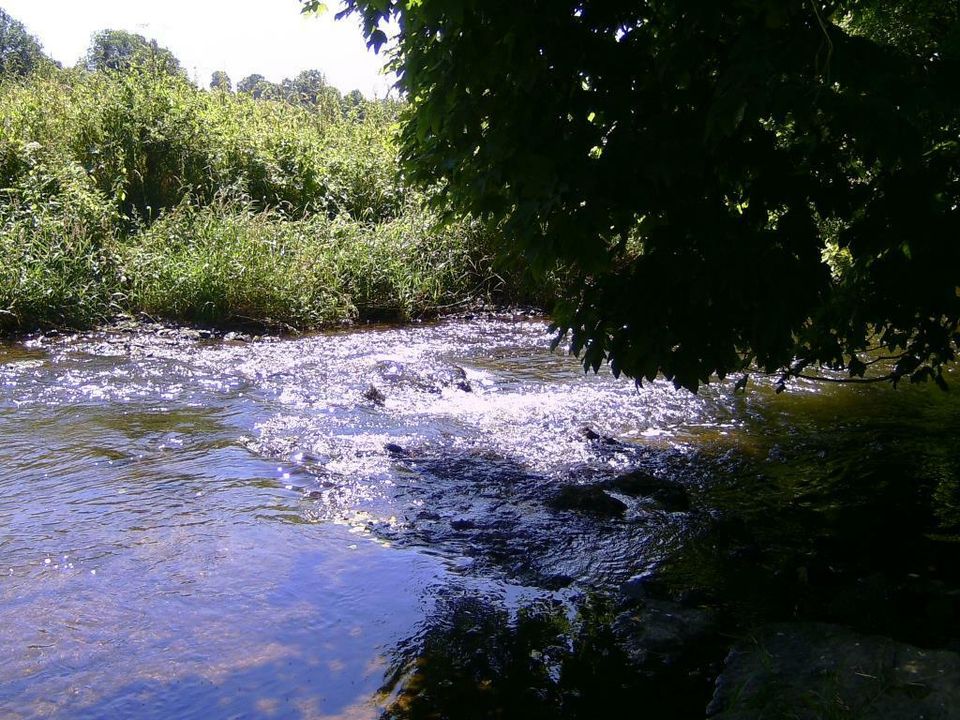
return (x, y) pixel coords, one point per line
(125, 188)
(759, 183)
(121, 50)
(309, 89)
(226, 264)
(20, 52)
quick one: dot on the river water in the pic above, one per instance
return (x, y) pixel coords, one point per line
(210, 527)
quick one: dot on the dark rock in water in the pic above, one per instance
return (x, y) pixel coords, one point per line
(391, 370)
(593, 436)
(395, 449)
(670, 495)
(589, 499)
(462, 524)
(661, 632)
(557, 581)
(589, 433)
(637, 587)
(374, 395)
(449, 375)
(815, 670)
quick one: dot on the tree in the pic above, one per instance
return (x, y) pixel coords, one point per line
(120, 50)
(20, 52)
(353, 102)
(221, 81)
(310, 90)
(730, 184)
(258, 86)
(307, 88)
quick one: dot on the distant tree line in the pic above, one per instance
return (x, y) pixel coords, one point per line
(122, 50)
(309, 89)
(119, 51)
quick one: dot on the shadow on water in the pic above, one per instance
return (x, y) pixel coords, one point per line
(502, 518)
(476, 659)
(852, 516)
(840, 507)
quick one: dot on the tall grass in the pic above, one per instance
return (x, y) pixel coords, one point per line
(136, 191)
(54, 273)
(56, 242)
(225, 264)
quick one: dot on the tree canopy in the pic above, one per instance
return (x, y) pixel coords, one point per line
(749, 183)
(122, 50)
(256, 85)
(219, 80)
(20, 52)
(309, 89)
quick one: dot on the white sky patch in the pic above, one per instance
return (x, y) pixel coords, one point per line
(242, 37)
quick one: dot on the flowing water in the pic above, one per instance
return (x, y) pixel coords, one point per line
(209, 527)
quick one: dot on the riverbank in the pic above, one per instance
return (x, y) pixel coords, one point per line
(136, 192)
(227, 267)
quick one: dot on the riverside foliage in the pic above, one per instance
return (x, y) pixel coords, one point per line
(133, 190)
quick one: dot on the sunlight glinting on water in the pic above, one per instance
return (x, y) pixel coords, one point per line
(218, 516)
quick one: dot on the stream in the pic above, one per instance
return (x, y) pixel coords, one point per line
(205, 526)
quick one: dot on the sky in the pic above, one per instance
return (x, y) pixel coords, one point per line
(242, 37)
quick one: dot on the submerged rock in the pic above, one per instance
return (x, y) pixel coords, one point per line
(813, 670)
(556, 581)
(374, 395)
(395, 449)
(589, 499)
(669, 495)
(237, 337)
(431, 380)
(637, 587)
(452, 376)
(662, 632)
